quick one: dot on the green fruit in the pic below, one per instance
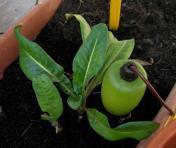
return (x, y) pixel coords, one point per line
(120, 96)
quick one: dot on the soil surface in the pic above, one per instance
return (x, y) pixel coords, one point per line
(151, 23)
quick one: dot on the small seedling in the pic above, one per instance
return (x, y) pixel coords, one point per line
(97, 56)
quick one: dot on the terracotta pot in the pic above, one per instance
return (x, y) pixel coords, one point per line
(32, 23)
(165, 136)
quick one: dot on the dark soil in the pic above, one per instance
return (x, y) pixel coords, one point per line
(151, 23)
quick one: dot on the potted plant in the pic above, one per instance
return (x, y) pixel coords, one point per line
(100, 57)
(89, 71)
(86, 133)
(33, 22)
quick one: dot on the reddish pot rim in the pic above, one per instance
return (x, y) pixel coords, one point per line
(165, 135)
(166, 138)
(32, 23)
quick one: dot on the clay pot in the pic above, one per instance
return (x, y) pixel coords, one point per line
(165, 136)
(32, 24)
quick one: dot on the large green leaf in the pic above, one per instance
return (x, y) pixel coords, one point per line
(117, 50)
(84, 26)
(90, 58)
(48, 97)
(135, 130)
(34, 61)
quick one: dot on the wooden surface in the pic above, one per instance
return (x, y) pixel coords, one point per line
(12, 10)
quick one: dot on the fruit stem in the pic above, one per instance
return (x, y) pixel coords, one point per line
(152, 89)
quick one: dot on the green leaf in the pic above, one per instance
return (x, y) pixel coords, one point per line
(34, 61)
(90, 58)
(48, 97)
(135, 130)
(127, 47)
(112, 38)
(85, 28)
(74, 103)
(117, 50)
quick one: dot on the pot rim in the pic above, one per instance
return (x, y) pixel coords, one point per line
(33, 21)
(161, 140)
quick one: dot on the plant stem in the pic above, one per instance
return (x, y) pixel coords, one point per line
(152, 89)
(83, 108)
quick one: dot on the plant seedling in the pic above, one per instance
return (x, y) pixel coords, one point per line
(95, 60)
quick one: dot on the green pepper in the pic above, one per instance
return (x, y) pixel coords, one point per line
(121, 89)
